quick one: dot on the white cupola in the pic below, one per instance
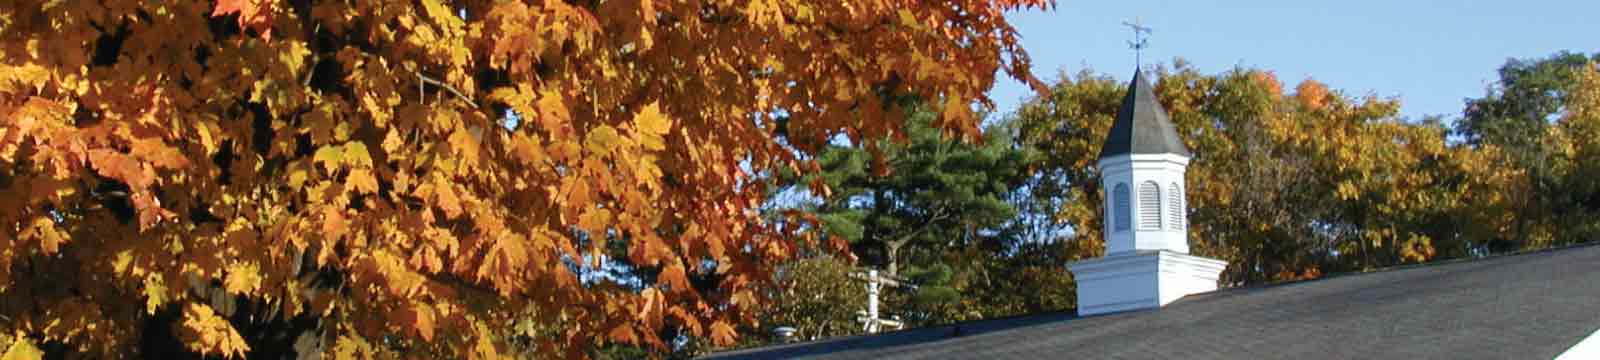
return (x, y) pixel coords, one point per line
(1147, 262)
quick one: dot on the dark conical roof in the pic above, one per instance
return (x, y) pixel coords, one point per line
(1142, 126)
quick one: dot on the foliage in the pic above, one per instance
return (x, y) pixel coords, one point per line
(818, 298)
(1529, 115)
(922, 195)
(1285, 185)
(441, 179)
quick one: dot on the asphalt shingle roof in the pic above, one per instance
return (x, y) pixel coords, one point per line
(1142, 126)
(1527, 306)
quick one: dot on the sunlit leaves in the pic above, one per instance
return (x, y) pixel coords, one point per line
(1293, 184)
(254, 14)
(207, 333)
(406, 171)
(22, 349)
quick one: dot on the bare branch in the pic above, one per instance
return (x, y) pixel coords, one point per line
(424, 79)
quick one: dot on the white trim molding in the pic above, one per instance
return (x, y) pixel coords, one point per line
(1141, 280)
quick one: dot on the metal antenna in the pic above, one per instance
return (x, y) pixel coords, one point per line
(1140, 40)
(869, 318)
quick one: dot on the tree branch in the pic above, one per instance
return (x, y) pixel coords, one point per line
(424, 79)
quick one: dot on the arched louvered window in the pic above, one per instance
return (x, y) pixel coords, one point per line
(1120, 217)
(1175, 208)
(1149, 206)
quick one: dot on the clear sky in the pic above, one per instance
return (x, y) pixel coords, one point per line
(1430, 53)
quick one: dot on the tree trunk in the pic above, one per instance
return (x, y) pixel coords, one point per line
(893, 248)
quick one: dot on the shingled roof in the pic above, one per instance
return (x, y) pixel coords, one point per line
(1527, 306)
(1142, 126)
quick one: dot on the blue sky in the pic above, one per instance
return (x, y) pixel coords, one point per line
(1430, 53)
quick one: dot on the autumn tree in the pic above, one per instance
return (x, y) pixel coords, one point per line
(1287, 184)
(1521, 117)
(271, 178)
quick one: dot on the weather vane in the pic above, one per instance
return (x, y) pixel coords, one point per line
(1140, 41)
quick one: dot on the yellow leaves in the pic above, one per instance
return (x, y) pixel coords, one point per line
(22, 349)
(444, 196)
(652, 125)
(1348, 191)
(602, 140)
(356, 155)
(527, 149)
(244, 278)
(352, 348)
(206, 333)
(1417, 248)
(330, 156)
(595, 221)
(553, 113)
(334, 157)
(399, 280)
(361, 181)
(14, 79)
(43, 230)
(463, 144)
(155, 293)
(420, 317)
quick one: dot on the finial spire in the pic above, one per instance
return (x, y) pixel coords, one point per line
(1140, 40)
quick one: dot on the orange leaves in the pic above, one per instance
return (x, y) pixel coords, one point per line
(722, 334)
(43, 230)
(1267, 80)
(419, 317)
(1311, 94)
(674, 278)
(206, 333)
(253, 14)
(632, 138)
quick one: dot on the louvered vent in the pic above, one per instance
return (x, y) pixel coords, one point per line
(1175, 208)
(1121, 216)
(1149, 206)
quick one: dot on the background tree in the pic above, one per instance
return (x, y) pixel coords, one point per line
(907, 200)
(1517, 116)
(818, 298)
(1285, 185)
(276, 178)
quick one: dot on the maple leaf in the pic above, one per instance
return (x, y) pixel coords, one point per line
(722, 334)
(576, 144)
(362, 181)
(253, 14)
(207, 333)
(22, 349)
(652, 125)
(243, 278)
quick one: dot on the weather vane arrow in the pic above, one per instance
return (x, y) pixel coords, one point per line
(1140, 40)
